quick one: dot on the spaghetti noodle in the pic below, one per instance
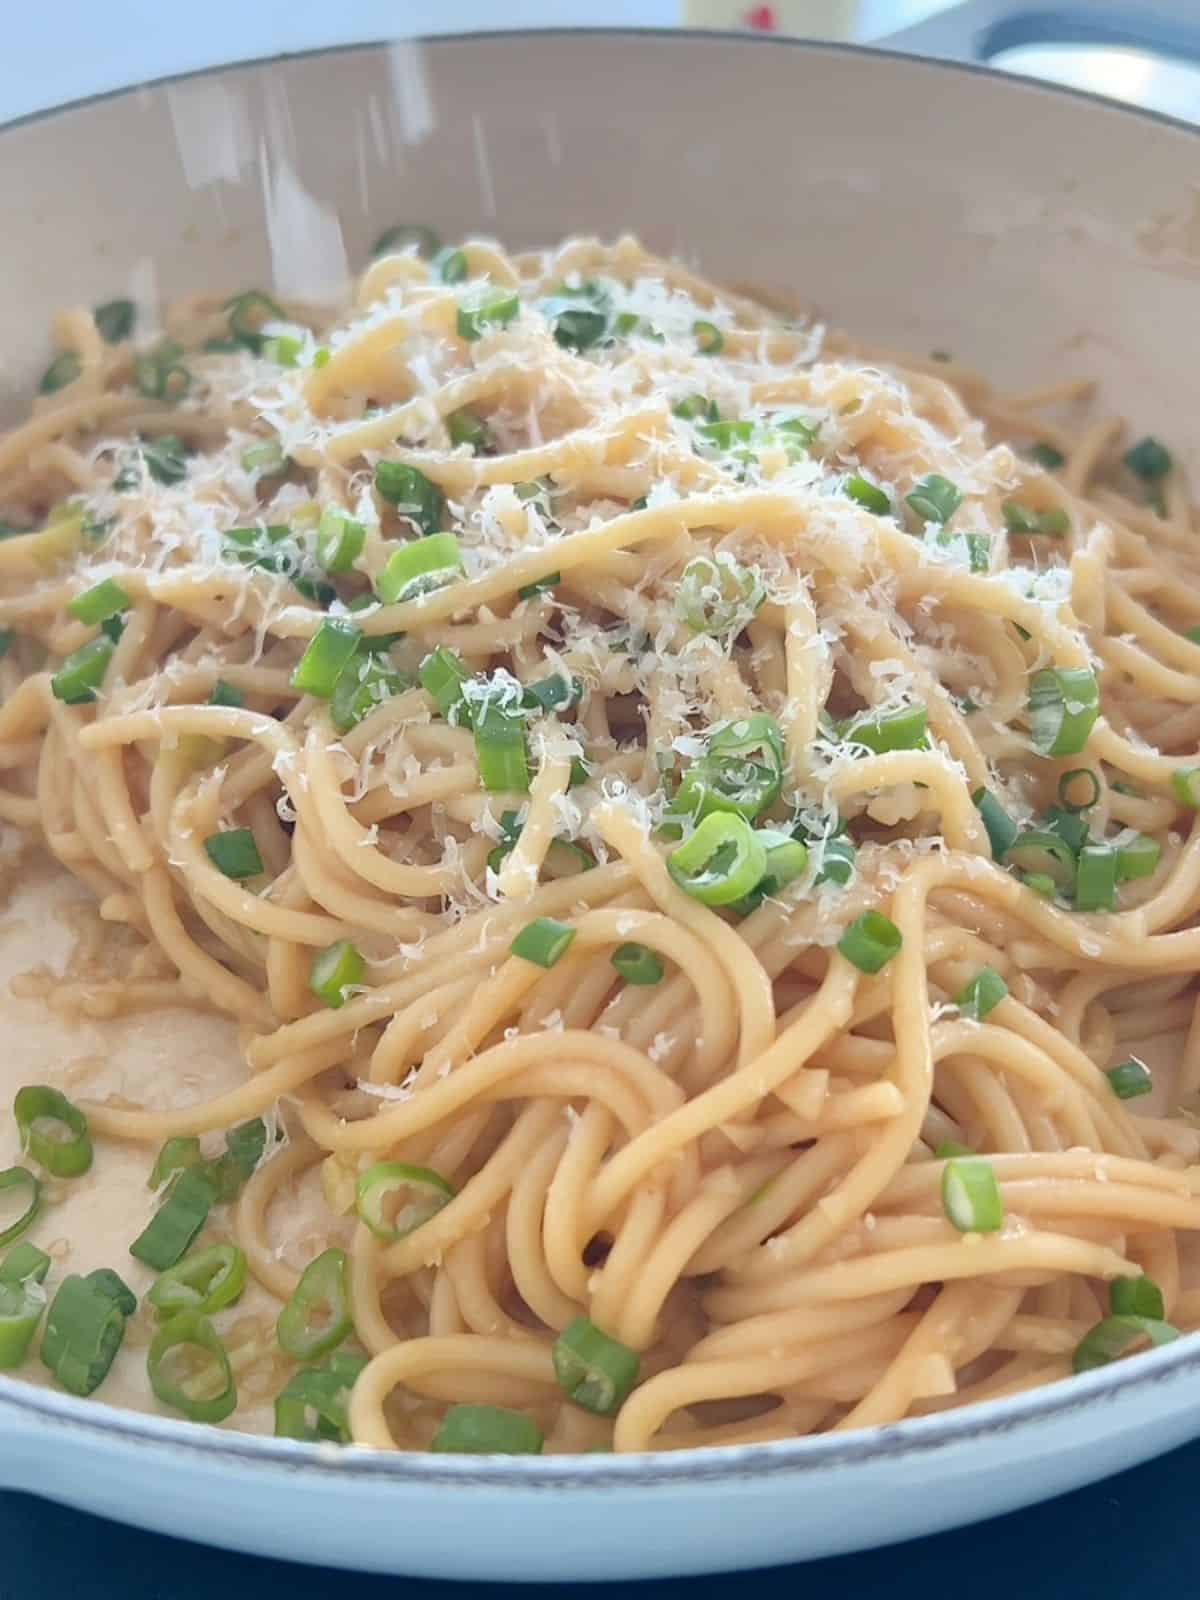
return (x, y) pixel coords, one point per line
(690, 827)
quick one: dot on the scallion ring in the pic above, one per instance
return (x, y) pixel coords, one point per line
(210, 1396)
(52, 1130)
(317, 1317)
(394, 1198)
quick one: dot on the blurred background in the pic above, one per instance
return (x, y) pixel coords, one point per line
(1144, 51)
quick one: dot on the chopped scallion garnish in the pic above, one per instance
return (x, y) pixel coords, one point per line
(493, 309)
(543, 941)
(325, 657)
(192, 1395)
(487, 1431)
(1148, 460)
(934, 498)
(235, 853)
(417, 568)
(82, 672)
(394, 1198)
(98, 603)
(335, 969)
(637, 964)
(84, 1330)
(114, 320)
(317, 1317)
(723, 860)
(594, 1371)
(52, 1130)
(1096, 878)
(23, 1183)
(971, 1196)
(1064, 703)
(1130, 1079)
(983, 993)
(413, 494)
(870, 942)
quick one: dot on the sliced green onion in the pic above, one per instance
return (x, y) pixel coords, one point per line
(530, 591)
(594, 1371)
(741, 770)
(1185, 782)
(266, 458)
(82, 672)
(1072, 783)
(103, 600)
(451, 265)
(335, 969)
(365, 684)
(716, 596)
(580, 772)
(1148, 460)
(414, 569)
(247, 313)
(897, 730)
(325, 657)
(6, 638)
(1130, 1079)
(226, 695)
(159, 374)
(1001, 830)
(442, 675)
(637, 965)
(464, 427)
(1047, 456)
(971, 1195)
(837, 861)
(692, 407)
(107, 1282)
(178, 1152)
(63, 370)
(1114, 1336)
(934, 498)
(206, 1282)
(542, 941)
(500, 749)
(312, 1404)
(1096, 879)
(21, 1181)
(1041, 851)
(1138, 859)
(244, 1147)
(234, 853)
(317, 1317)
(870, 942)
(22, 1302)
(340, 540)
(579, 317)
(496, 308)
(166, 459)
(949, 1149)
(170, 1232)
(723, 860)
(487, 1431)
(549, 694)
(1063, 705)
(982, 994)
(1136, 1297)
(284, 349)
(25, 1264)
(1051, 523)
(710, 341)
(1069, 826)
(407, 236)
(210, 1396)
(867, 494)
(413, 494)
(114, 320)
(52, 1130)
(394, 1199)
(1041, 883)
(84, 1330)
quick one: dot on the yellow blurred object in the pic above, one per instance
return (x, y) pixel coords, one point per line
(812, 19)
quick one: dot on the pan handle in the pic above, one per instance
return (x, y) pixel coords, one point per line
(980, 29)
